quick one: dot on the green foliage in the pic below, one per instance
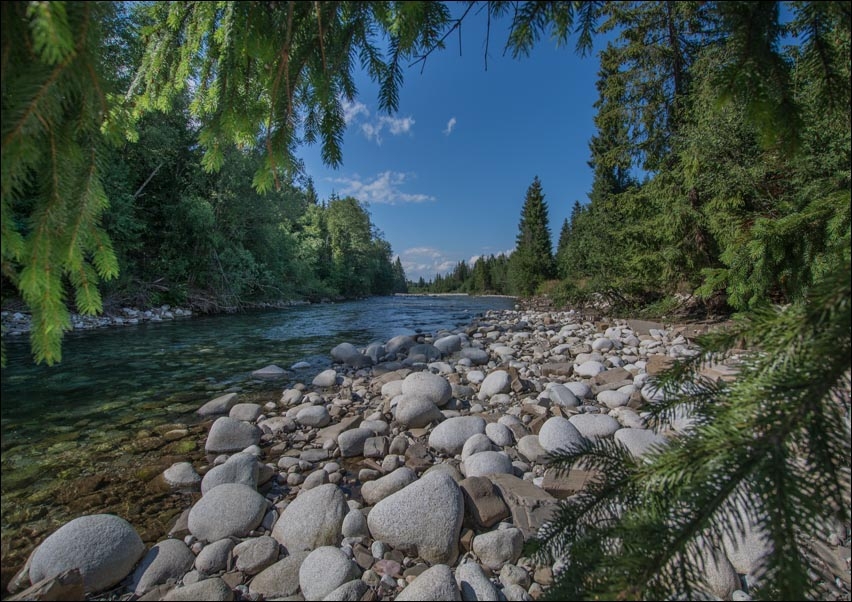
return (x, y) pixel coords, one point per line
(276, 74)
(55, 87)
(771, 448)
(532, 261)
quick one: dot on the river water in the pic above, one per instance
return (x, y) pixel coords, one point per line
(76, 437)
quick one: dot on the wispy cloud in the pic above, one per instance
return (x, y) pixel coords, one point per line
(425, 262)
(384, 188)
(395, 125)
(352, 110)
(451, 124)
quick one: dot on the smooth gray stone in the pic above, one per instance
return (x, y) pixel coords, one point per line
(239, 468)
(435, 583)
(228, 435)
(474, 584)
(220, 405)
(103, 547)
(214, 557)
(313, 519)
(425, 385)
(279, 580)
(426, 514)
(449, 437)
(231, 509)
(324, 570)
(168, 560)
(374, 492)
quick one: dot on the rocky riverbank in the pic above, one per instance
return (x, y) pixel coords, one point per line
(16, 323)
(414, 469)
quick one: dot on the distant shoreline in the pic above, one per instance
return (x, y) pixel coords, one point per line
(451, 295)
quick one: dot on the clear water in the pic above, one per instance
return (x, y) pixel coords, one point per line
(82, 417)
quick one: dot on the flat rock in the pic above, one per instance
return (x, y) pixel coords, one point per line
(220, 405)
(231, 509)
(530, 506)
(271, 372)
(483, 505)
(324, 570)
(435, 583)
(169, 560)
(449, 437)
(103, 547)
(313, 519)
(281, 579)
(182, 475)
(557, 369)
(426, 515)
(228, 435)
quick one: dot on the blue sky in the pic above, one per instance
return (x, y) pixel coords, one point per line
(444, 178)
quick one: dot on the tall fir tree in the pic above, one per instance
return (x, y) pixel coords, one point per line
(532, 261)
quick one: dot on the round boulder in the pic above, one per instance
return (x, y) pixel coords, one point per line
(557, 433)
(495, 383)
(486, 463)
(324, 570)
(103, 547)
(313, 519)
(228, 435)
(230, 509)
(416, 412)
(168, 560)
(449, 437)
(426, 515)
(425, 385)
(595, 426)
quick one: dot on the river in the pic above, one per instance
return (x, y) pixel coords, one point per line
(75, 435)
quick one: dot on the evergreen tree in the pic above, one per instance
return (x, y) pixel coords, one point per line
(532, 261)
(400, 285)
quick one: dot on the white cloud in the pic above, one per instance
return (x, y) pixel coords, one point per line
(351, 110)
(426, 262)
(451, 124)
(395, 125)
(421, 251)
(384, 189)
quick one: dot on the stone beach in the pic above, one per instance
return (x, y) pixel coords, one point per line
(413, 469)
